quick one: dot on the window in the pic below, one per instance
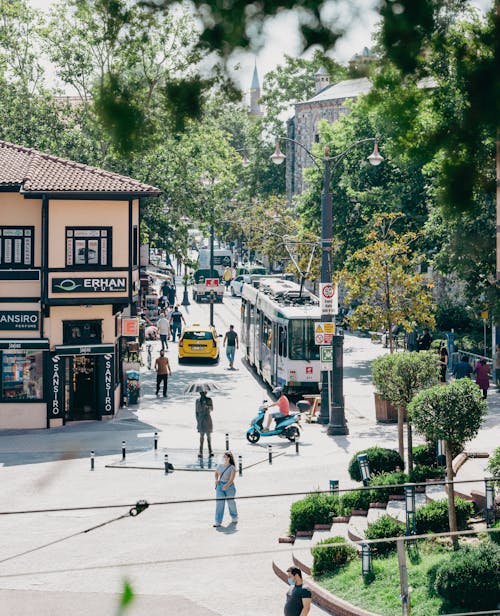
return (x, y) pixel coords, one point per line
(16, 246)
(282, 350)
(198, 336)
(82, 332)
(301, 340)
(22, 375)
(88, 247)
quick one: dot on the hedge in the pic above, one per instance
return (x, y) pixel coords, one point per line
(385, 526)
(384, 479)
(328, 560)
(433, 517)
(380, 460)
(495, 537)
(357, 499)
(421, 472)
(313, 509)
(470, 578)
(424, 455)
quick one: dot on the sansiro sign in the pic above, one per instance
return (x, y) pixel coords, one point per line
(19, 319)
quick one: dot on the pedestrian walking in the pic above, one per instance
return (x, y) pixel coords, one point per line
(164, 329)
(231, 343)
(176, 321)
(225, 489)
(424, 341)
(497, 364)
(227, 277)
(443, 363)
(163, 371)
(204, 406)
(482, 372)
(298, 598)
(463, 368)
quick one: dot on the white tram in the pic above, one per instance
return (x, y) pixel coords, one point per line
(278, 334)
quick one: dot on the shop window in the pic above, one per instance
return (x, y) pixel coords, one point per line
(82, 332)
(88, 247)
(22, 375)
(16, 246)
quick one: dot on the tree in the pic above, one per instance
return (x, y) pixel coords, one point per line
(383, 280)
(398, 378)
(453, 413)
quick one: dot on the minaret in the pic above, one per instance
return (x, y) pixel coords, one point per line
(255, 93)
(322, 79)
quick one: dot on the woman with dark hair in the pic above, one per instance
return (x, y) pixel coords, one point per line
(443, 363)
(225, 489)
(482, 371)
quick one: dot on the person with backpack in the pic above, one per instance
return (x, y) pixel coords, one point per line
(176, 321)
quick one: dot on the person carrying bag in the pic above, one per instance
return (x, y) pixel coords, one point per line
(225, 490)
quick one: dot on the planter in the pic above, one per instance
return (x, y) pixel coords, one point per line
(385, 411)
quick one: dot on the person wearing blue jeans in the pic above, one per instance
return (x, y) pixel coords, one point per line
(225, 489)
(231, 340)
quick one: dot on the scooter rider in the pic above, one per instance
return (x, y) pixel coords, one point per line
(282, 403)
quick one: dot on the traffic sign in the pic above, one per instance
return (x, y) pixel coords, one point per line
(211, 282)
(323, 333)
(326, 357)
(328, 298)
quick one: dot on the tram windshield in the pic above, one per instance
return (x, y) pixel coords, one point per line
(301, 340)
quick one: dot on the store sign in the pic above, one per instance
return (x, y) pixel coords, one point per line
(19, 319)
(108, 384)
(93, 284)
(323, 333)
(328, 298)
(56, 390)
(222, 260)
(91, 349)
(25, 343)
(130, 326)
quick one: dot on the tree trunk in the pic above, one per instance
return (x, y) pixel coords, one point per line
(410, 445)
(401, 442)
(452, 516)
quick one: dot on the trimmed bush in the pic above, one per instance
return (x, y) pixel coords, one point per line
(358, 499)
(494, 463)
(422, 472)
(385, 479)
(385, 526)
(313, 509)
(495, 537)
(328, 560)
(424, 455)
(433, 517)
(470, 579)
(381, 461)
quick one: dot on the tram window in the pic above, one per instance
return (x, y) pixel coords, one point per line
(312, 349)
(296, 337)
(267, 332)
(282, 341)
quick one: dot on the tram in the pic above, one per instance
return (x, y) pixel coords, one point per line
(277, 334)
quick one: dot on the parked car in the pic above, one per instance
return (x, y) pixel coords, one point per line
(198, 342)
(237, 284)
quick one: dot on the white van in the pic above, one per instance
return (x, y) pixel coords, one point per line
(222, 259)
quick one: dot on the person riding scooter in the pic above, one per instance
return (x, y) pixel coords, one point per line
(282, 403)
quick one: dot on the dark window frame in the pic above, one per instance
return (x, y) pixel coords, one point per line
(69, 235)
(31, 236)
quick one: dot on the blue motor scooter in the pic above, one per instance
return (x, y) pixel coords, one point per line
(285, 427)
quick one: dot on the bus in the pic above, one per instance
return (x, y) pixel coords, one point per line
(277, 334)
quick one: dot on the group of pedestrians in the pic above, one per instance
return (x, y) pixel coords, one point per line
(170, 325)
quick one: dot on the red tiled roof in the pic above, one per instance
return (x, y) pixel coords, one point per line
(34, 171)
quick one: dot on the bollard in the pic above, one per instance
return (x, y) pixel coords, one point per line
(240, 466)
(227, 441)
(296, 446)
(270, 453)
(124, 452)
(156, 441)
(166, 464)
(92, 454)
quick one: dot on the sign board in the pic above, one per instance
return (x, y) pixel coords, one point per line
(19, 319)
(211, 282)
(94, 284)
(328, 298)
(222, 260)
(323, 333)
(326, 357)
(130, 326)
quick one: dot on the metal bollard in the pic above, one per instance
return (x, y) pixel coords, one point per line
(270, 453)
(240, 466)
(296, 446)
(227, 441)
(166, 464)
(92, 454)
(156, 441)
(124, 451)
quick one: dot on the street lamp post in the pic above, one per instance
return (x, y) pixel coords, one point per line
(332, 414)
(211, 264)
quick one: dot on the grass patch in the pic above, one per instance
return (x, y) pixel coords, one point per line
(382, 595)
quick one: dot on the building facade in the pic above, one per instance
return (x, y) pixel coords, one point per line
(69, 270)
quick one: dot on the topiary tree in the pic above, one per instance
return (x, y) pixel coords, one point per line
(385, 526)
(329, 559)
(400, 377)
(453, 413)
(380, 459)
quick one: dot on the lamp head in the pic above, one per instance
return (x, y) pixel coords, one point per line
(375, 158)
(277, 157)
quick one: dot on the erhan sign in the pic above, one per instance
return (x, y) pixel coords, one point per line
(94, 284)
(19, 319)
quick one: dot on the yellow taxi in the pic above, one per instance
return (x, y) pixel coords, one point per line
(199, 342)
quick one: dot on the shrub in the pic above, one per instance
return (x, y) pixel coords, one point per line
(385, 526)
(452, 316)
(471, 577)
(424, 455)
(385, 479)
(433, 517)
(313, 509)
(381, 461)
(328, 560)
(421, 473)
(495, 537)
(358, 499)
(494, 463)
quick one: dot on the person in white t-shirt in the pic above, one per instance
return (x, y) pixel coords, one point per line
(164, 327)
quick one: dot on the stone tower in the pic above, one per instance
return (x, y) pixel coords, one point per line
(322, 79)
(255, 94)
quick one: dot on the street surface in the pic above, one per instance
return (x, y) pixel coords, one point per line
(174, 559)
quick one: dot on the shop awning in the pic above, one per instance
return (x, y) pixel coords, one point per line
(24, 343)
(84, 349)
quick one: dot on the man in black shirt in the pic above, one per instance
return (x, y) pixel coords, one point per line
(176, 321)
(298, 598)
(231, 339)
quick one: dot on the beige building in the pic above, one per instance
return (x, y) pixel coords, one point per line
(69, 270)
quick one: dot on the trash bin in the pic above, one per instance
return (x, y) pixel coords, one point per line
(133, 387)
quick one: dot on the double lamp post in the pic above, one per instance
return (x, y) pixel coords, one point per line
(332, 409)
